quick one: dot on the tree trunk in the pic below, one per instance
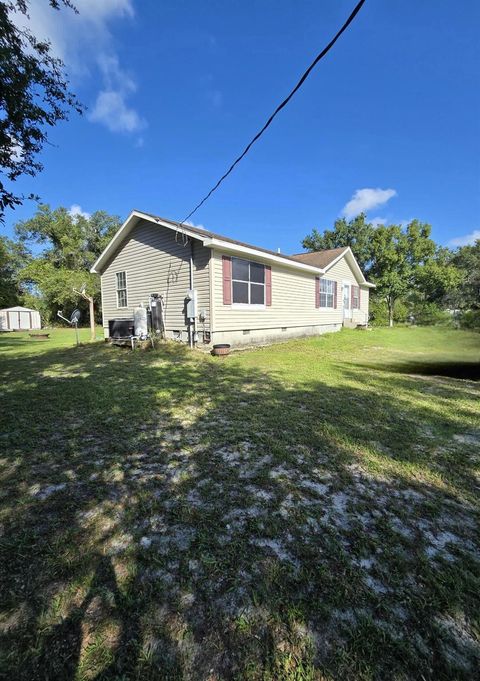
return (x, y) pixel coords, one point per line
(390, 312)
(92, 318)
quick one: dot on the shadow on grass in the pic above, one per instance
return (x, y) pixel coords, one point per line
(458, 369)
(168, 516)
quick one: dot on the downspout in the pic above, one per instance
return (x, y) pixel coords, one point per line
(192, 286)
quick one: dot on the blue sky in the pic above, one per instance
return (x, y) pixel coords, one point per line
(176, 89)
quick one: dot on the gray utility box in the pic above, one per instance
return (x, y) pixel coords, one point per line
(192, 304)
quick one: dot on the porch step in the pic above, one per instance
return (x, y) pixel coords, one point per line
(349, 324)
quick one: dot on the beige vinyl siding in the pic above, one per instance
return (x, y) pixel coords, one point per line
(293, 299)
(155, 262)
(341, 272)
(201, 259)
(361, 316)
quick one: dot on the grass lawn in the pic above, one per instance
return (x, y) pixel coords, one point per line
(305, 511)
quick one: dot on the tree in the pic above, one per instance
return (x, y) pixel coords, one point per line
(71, 246)
(34, 96)
(13, 257)
(398, 256)
(439, 279)
(357, 234)
(467, 259)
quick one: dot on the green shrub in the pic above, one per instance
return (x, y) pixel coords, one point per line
(379, 312)
(470, 319)
(430, 314)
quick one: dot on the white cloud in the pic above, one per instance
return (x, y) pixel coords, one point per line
(111, 107)
(84, 42)
(378, 221)
(112, 110)
(366, 199)
(466, 240)
(76, 211)
(76, 38)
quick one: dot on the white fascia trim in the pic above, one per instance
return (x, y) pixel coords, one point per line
(129, 223)
(111, 245)
(269, 257)
(356, 267)
(355, 264)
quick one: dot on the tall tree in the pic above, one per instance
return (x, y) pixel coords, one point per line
(439, 279)
(356, 233)
(71, 246)
(34, 96)
(13, 257)
(467, 259)
(398, 256)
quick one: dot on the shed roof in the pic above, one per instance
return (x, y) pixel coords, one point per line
(18, 308)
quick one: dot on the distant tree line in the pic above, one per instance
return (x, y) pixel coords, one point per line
(416, 279)
(52, 254)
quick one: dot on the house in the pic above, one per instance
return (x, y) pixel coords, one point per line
(213, 289)
(19, 319)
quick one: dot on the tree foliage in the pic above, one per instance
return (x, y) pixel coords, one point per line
(467, 260)
(398, 255)
(13, 257)
(34, 96)
(439, 280)
(356, 233)
(71, 246)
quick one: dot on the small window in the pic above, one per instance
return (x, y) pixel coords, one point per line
(355, 297)
(121, 289)
(248, 282)
(327, 293)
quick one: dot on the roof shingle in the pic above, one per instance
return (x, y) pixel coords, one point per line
(319, 258)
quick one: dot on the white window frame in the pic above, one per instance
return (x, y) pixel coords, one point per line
(121, 307)
(250, 306)
(327, 293)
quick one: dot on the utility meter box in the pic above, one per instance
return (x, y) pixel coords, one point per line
(192, 305)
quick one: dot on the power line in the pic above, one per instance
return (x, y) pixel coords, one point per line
(279, 107)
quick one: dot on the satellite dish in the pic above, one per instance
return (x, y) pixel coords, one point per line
(75, 316)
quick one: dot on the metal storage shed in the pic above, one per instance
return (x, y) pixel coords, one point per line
(19, 319)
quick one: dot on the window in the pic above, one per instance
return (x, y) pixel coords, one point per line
(121, 289)
(327, 293)
(355, 297)
(248, 282)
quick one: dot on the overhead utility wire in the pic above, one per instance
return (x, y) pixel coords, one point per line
(279, 107)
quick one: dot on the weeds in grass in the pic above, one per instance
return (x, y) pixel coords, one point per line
(284, 514)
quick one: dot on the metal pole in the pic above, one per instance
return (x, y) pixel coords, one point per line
(192, 321)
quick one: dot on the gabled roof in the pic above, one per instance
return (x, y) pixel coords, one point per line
(213, 240)
(202, 233)
(320, 258)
